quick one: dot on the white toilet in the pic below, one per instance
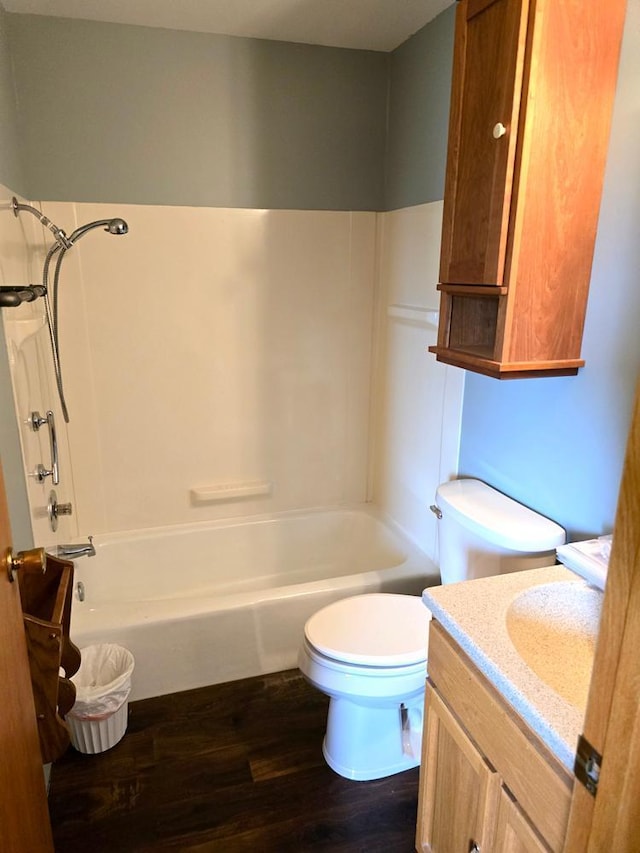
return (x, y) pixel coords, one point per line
(368, 653)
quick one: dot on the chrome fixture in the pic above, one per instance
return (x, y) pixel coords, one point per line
(58, 233)
(55, 510)
(60, 247)
(12, 295)
(41, 472)
(72, 552)
(80, 591)
(112, 226)
(435, 509)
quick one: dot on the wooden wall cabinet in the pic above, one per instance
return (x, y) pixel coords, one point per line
(485, 779)
(532, 95)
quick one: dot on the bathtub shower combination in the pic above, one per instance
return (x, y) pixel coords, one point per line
(201, 604)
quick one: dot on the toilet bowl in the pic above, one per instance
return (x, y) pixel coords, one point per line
(368, 653)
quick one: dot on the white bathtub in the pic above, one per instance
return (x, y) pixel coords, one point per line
(206, 603)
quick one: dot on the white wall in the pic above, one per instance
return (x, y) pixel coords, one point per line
(419, 401)
(213, 346)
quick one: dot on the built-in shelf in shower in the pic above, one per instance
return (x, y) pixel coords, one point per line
(414, 314)
(18, 330)
(230, 491)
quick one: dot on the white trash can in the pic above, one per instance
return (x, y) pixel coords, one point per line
(98, 719)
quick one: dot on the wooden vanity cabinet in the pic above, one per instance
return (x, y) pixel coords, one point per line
(485, 779)
(514, 833)
(532, 94)
(459, 802)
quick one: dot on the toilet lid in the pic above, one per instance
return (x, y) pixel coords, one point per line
(377, 629)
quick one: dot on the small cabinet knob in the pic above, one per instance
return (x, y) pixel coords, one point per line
(499, 130)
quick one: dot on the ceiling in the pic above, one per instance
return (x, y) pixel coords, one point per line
(361, 24)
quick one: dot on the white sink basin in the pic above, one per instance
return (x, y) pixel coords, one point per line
(554, 628)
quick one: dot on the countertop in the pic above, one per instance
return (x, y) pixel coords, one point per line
(474, 614)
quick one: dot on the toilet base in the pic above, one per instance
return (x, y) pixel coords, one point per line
(364, 743)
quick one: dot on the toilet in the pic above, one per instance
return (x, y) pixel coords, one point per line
(368, 653)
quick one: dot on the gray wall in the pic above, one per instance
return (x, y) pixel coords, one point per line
(419, 92)
(118, 113)
(11, 173)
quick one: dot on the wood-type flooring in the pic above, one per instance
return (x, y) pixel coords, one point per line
(233, 767)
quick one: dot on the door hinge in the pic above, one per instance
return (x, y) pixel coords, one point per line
(587, 765)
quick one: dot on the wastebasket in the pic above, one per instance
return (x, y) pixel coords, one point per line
(98, 719)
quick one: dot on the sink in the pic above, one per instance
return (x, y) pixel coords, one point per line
(554, 627)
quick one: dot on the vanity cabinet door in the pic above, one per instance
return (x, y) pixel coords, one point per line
(514, 833)
(459, 792)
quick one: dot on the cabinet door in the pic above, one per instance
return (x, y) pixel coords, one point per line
(485, 103)
(515, 834)
(459, 791)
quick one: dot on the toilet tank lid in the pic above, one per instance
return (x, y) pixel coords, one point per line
(498, 518)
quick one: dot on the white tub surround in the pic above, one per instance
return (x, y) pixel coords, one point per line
(28, 355)
(207, 603)
(475, 613)
(418, 402)
(213, 347)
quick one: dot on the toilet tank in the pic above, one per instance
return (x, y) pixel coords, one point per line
(483, 532)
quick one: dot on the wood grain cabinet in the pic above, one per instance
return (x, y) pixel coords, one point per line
(487, 782)
(532, 94)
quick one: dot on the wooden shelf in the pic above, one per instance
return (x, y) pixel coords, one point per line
(46, 608)
(472, 289)
(504, 370)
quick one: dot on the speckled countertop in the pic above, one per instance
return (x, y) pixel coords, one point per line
(479, 615)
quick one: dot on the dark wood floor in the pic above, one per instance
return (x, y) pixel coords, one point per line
(233, 767)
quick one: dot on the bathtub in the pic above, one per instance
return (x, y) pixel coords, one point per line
(206, 603)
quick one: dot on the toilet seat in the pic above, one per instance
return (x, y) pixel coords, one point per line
(373, 630)
(368, 653)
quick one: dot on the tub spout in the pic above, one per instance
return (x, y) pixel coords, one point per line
(72, 552)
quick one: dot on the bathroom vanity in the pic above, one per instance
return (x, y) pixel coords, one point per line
(504, 714)
(489, 780)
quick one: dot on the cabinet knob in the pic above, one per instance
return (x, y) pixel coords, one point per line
(499, 130)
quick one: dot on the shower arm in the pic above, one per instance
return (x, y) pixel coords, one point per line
(58, 233)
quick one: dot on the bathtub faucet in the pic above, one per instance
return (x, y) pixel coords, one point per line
(72, 552)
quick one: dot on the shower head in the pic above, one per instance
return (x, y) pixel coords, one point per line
(117, 226)
(58, 250)
(112, 226)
